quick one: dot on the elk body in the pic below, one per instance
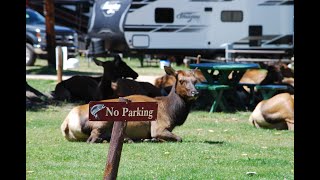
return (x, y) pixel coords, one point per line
(77, 88)
(274, 113)
(278, 73)
(126, 87)
(172, 111)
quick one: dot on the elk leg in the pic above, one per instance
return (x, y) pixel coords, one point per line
(96, 136)
(168, 136)
(290, 124)
(126, 138)
(255, 124)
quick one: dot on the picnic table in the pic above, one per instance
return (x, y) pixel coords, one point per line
(217, 76)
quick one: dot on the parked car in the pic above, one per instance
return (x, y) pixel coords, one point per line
(36, 37)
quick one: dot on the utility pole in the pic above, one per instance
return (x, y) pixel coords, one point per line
(50, 33)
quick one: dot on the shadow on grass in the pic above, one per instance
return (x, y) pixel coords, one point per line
(161, 141)
(35, 107)
(213, 142)
(45, 70)
(153, 141)
(41, 106)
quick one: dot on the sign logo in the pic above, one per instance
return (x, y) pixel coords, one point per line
(189, 16)
(109, 8)
(95, 109)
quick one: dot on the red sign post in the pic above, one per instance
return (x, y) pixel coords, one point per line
(120, 112)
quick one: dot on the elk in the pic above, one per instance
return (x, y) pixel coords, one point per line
(87, 88)
(173, 111)
(166, 81)
(274, 113)
(113, 83)
(277, 73)
(77, 88)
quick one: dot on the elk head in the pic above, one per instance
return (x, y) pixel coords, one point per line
(184, 85)
(116, 69)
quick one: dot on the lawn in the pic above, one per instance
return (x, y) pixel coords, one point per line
(214, 146)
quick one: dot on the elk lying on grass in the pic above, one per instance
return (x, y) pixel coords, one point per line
(77, 88)
(277, 73)
(86, 88)
(274, 113)
(172, 111)
(113, 83)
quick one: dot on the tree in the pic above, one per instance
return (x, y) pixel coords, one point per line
(50, 33)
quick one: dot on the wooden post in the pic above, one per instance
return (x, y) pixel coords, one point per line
(50, 33)
(60, 64)
(99, 111)
(114, 154)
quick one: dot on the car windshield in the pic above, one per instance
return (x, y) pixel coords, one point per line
(33, 17)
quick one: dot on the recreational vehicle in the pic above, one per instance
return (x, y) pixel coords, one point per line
(192, 27)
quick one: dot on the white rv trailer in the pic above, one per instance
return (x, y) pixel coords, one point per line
(192, 27)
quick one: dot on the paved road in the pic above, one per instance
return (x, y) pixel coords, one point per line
(149, 79)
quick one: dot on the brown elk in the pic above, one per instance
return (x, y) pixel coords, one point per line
(276, 73)
(172, 111)
(86, 88)
(166, 81)
(274, 113)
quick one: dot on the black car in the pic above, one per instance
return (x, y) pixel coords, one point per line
(36, 37)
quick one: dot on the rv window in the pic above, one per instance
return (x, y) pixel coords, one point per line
(207, 9)
(231, 16)
(163, 15)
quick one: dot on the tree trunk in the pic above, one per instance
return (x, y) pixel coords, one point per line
(50, 33)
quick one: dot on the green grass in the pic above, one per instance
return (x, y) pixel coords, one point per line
(44, 86)
(215, 146)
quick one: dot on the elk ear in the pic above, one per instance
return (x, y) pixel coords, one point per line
(98, 62)
(117, 59)
(170, 70)
(193, 71)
